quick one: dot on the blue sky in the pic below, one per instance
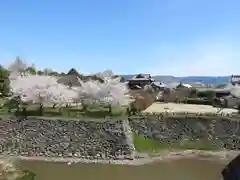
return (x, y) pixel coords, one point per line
(170, 37)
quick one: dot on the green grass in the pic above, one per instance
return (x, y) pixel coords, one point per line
(2, 100)
(93, 111)
(143, 144)
(27, 175)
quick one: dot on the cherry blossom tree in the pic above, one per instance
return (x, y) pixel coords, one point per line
(235, 92)
(234, 89)
(112, 92)
(46, 90)
(105, 74)
(89, 92)
(41, 90)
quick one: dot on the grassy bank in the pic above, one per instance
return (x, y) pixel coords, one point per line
(143, 144)
(8, 171)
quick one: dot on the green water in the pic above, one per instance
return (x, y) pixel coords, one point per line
(184, 169)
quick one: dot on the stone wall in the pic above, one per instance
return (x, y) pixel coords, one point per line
(221, 131)
(58, 138)
(111, 139)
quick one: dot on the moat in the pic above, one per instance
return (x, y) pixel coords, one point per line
(182, 169)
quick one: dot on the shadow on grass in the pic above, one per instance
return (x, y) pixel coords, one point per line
(71, 112)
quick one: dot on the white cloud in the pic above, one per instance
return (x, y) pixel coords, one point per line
(207, 58)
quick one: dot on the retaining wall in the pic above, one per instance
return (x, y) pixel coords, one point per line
(111, 139)
(58, 138)
(221, 131)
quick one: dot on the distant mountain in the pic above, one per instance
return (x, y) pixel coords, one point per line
(206, 79)
(189, 79)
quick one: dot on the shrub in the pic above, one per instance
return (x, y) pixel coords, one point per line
(198, 101)
(206, 94)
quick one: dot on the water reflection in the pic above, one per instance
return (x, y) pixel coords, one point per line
(184, 169)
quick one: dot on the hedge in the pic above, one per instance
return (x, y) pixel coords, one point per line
(198, 101)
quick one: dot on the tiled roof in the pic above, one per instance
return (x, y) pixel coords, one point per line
(138, 79)
(142, 76)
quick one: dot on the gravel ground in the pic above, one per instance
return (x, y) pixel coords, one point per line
(191, 108)
(142, 158)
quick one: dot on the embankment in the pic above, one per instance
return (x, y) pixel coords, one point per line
(58, 138)
(221, 131)
(111, 140)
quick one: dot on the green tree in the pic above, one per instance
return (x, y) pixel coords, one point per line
(40, 72)
(54, 73)
(73, 71)
(62, 74)
(4, 81)
(31, 70)
(122, 79)
(209, 94)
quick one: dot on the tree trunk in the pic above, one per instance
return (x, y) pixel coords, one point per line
(18, 108)
(128, 112)
(41, 109)
(109, 108)
(84, 106)
(24, 112)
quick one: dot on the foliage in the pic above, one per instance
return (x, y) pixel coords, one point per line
(95, 111)
(41, 89)
(53, 73)
(40, 72)
(31, 70)
(193, 92)
(106, 74)
(12, 103)
(111, 92)
(62, 74)
(180, 85)
(4, 82)
(73, 71)
(234, 89)
(92, 78)
(29, 85)
(122, 79)
(198, 101)
(206, 94)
